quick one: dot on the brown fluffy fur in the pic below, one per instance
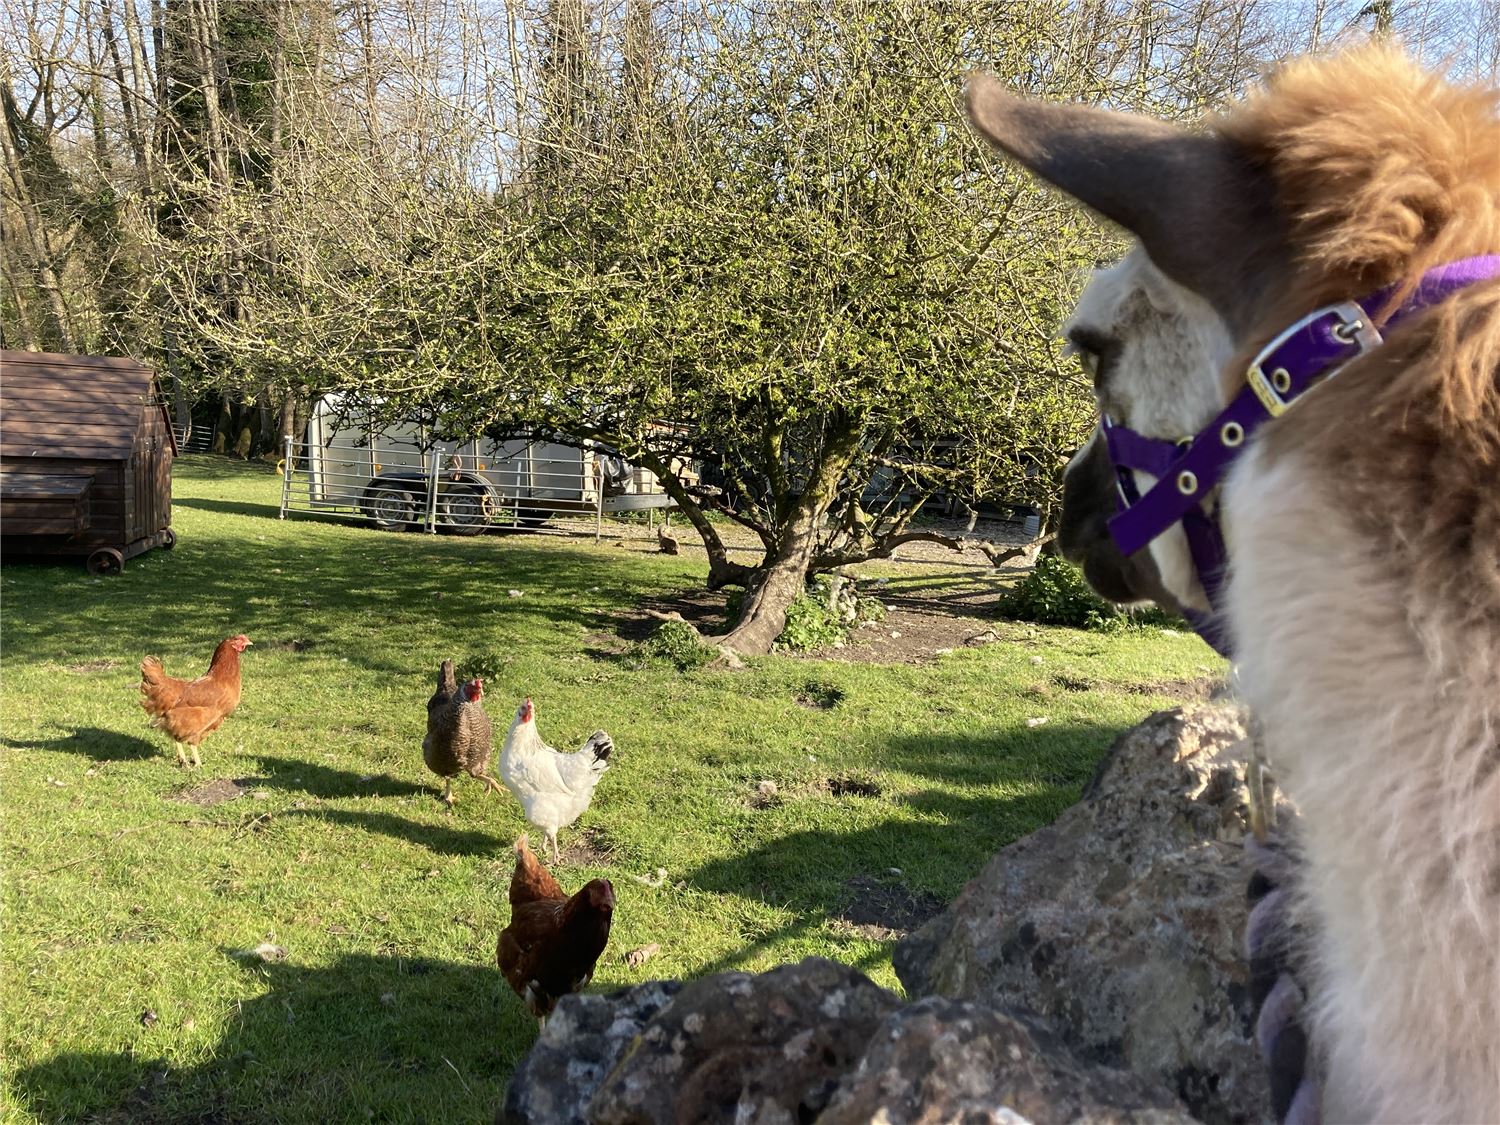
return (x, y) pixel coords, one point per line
(1385, 171)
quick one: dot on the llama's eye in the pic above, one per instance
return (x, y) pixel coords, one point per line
(1091, 347)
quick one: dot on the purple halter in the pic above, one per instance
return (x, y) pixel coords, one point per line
(1312, 349)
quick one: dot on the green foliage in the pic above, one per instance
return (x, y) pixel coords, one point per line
(811, 625)
(1055, 593)
(678, 643)
(820, 618)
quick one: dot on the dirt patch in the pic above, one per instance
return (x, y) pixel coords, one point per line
(1074, 683)
(590, 848)
(1193, 689)
(913, 636)
(295, 644)
(820, 697)
(849, 786)
(705, 610)
(882, 910)
(213, 793)
(85, 667)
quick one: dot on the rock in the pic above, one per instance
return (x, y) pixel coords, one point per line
(585, 1036)
(758, 1050)
(1121, 923)
(815, 1041)
(944, 1060)
(635, 958)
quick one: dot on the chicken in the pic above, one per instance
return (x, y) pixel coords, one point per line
(555, 789)
(553, 941)
(190, 709)
(666, 542)
(458, 732)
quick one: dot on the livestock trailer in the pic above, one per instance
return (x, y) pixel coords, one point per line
(86, 450)
(401, 476)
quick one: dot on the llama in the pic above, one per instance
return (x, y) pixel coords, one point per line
(1360, 520)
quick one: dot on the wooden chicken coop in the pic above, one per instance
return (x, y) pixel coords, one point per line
(86, 451)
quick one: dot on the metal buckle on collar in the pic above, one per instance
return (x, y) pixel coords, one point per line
(1273, 389)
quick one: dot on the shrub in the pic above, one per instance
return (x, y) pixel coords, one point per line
(1055, 593)
(810, 624)
(821, 617)
(679, 644)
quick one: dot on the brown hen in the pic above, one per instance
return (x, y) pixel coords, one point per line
(189, 710)
(553, 941)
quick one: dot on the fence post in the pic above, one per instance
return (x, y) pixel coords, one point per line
(432, 491)
(598, 498)
(286, 473)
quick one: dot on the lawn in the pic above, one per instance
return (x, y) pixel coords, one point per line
(129, 989)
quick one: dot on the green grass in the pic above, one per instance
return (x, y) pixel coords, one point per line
(119, 899)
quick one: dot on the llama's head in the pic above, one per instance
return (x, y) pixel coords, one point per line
(1343, 175)
(1153, 350)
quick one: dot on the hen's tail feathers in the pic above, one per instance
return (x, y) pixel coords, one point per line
(531, 881)
(602, 745)
(153, 685)
(1276, 995)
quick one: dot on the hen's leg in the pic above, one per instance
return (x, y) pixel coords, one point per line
(552, 849)
(182, 759)
(196, 761)
(448, 798)
(491, 782)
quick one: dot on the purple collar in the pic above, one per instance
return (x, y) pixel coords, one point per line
(1311, 350)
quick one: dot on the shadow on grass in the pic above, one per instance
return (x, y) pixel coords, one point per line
(296, 776)
(97, 743)
(824, 874)
(434, 837)
(230, 507)
(297, 594)
(384, 1038)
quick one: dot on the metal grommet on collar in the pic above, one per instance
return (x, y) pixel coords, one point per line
(1187, 482)
(1231, 434)
(1281, 379)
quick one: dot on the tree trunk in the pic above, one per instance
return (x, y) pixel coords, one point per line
(721, 571)
(763, 614)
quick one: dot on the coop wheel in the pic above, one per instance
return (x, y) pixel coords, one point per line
(169, 539)
(464, 510)
(390, 507)
(106, 560)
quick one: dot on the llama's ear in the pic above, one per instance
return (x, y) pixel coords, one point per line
(1185, 195)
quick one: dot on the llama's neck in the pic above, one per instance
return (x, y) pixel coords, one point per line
(1384, 746)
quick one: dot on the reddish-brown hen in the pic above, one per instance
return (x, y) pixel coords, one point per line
(553, 941)
(188, 710)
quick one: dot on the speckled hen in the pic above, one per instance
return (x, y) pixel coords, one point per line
(458, 732)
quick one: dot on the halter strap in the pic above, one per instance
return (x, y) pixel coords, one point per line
(1311, 351)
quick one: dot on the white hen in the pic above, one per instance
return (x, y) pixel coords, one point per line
(553, 788)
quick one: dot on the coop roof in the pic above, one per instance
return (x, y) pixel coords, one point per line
(86, 407)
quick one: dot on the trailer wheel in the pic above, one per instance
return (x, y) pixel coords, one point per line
(104, 561)
(464, 509)
(390, 507)
(169, 539)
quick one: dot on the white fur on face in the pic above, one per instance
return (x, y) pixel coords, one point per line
(1158, 374)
